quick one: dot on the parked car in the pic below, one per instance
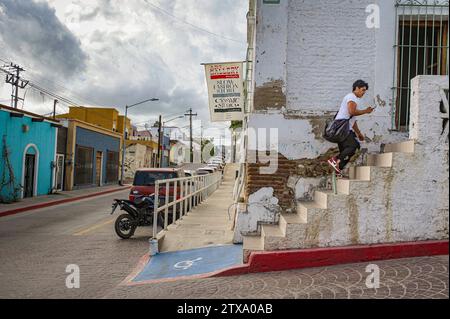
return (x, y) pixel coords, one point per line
(214, 166)
(189, 172)
(205, 170)
(144, 181)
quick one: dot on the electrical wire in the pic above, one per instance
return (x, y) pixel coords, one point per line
(190, 24)
(59, 97)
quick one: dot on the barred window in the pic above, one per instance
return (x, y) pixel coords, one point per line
(112, 166)
(84, 165)
(421, 49)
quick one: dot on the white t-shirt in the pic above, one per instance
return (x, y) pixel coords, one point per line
(343, 110)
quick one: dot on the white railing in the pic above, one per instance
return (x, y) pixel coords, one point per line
(181, 195)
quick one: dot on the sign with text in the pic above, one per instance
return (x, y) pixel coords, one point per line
(225, 91)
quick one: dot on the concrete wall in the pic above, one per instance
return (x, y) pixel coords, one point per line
(410, 200)
(137, 156)
(403, 196)
(308, 54)
(307, 63)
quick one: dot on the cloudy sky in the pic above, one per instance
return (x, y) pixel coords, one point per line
(113, 52)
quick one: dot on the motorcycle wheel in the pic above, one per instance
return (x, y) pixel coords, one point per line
(124, 226)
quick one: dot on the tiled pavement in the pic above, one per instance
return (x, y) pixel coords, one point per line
(412, 278)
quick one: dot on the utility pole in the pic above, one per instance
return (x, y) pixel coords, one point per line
(54, 108)
(159, 142)
(125, 136)
(201, 144)
(190, 114)
(16, 82)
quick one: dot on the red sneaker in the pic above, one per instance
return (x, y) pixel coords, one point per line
(335, 164)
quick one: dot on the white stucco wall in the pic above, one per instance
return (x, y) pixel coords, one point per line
(262, 208)
(329, 47)
(318, 48)
(271, 42)
(405, 202)
(136, 156)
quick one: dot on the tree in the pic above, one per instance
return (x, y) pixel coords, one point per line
(235, 125)
(205, 142)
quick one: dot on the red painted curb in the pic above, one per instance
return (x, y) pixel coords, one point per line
(57, 202)
(319, 257)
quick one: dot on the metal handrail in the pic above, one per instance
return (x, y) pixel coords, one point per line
(193, 190)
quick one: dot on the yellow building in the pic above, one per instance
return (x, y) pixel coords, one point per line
(104, 117)
(120, 121)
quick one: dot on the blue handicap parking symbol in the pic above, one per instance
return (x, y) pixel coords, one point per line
(191, 262)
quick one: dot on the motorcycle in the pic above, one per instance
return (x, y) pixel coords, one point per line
(137, 213)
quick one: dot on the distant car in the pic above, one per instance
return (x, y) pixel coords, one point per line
(205, 170)
(144, 181)
(189, 173)
(217, 162)
(215, 166)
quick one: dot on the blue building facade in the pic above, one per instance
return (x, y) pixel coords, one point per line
(96, 157)
(28, 148)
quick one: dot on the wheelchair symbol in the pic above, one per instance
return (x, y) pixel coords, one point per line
(186, 264)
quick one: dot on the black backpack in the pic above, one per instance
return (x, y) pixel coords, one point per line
(336, 131)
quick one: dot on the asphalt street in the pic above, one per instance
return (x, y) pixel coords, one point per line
(37, 246)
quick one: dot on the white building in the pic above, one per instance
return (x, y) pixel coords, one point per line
(303, 59)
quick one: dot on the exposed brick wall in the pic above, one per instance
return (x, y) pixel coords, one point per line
(303, 168)
(278, 181)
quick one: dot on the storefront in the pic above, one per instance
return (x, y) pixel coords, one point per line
(92, 156)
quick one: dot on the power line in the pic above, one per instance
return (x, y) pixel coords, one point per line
(56, 85)
(60, 98)
(190, 24)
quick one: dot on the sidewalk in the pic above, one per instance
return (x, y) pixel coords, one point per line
(37, 202)
(208, 223)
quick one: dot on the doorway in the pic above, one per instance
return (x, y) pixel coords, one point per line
(98, 168)
(30, 167)
(59, 175)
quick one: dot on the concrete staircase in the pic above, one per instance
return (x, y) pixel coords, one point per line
(360, 213)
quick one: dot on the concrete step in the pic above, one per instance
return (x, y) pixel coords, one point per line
(305, 209)
(380, 160)
(360, 173)
(328, 200)
(272, 231)
(321, 199)
(251, 244)
(347, 186)
(402, 147)
(273, 237)
(291, 223)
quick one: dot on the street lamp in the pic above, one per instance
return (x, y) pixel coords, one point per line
(125, 136)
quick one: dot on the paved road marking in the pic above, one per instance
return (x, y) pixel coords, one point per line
(185, 264)
(85, 231)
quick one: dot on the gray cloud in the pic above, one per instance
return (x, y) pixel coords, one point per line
(31, 32)
(137, 52)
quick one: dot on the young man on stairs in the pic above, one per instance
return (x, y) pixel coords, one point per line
(349, 111)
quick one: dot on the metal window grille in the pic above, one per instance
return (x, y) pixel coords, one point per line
(421, 45)
(84, 165)
(112, 166)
